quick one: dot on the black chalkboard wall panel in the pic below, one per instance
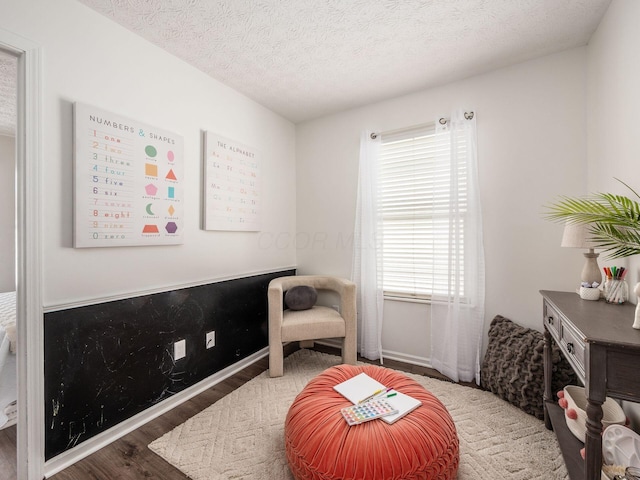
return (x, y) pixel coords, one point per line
(106, 362)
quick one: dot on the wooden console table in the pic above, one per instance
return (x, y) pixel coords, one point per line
(604, 350)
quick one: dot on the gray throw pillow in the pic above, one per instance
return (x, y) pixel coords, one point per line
(301, 297)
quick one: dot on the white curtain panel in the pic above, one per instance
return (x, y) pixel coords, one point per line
(366, 271)
(457, 317)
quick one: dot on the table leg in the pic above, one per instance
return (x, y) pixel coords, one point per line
(548, 371)
(593, 440)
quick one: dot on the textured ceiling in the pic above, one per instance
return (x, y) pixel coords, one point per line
(307, 58)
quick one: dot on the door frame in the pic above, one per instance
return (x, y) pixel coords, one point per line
(30, 326)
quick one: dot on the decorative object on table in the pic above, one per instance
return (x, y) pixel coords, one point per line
(621, 446)
(574, 402)
(590, 291)
(577, 236)
(613, 220)
(613, 223)
(616, 289)
(636, 322)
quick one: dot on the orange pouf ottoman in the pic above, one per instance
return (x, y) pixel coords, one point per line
(320, 445)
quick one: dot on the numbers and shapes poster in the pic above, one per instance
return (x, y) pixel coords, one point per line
(128, 181)
(231, 185)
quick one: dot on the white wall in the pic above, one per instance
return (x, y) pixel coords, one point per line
(613, 106)
(90, 59)
(7, 215)
(531, 122)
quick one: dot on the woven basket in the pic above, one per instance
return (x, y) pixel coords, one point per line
(589, 293)
(612, 413)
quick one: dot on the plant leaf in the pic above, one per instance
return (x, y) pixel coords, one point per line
(614, 220)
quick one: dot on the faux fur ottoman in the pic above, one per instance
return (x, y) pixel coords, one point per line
(320, 445)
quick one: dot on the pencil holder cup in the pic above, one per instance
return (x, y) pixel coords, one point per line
(616, 291)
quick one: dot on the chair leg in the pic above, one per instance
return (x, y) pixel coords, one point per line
(306, 343)
(349, 350)
(276, 368)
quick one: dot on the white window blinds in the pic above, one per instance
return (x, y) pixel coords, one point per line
(415, 192)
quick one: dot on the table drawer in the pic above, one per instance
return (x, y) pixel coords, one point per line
(552, 321)
(573, 345)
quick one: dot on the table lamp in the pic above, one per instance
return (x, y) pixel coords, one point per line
(578, 236)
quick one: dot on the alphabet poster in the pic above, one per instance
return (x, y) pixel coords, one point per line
(129, 181)
(232, 185)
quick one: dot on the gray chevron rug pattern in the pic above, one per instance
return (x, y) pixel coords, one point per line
(241, 436)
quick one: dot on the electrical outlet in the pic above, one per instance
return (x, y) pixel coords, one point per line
(210, 340)
(180, 349)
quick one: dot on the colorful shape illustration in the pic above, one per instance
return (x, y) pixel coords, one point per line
(151, 151)
(171, 210)
(151, 189)
(150, 170)
(120, 193)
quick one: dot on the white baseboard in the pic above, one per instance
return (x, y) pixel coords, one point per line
(86, 448)
(403, 357)
(390, 354)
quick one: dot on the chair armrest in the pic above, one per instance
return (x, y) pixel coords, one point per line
(275, 295)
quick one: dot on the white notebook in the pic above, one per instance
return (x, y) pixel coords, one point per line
(359, 388)
(362, 386)
(404, 403)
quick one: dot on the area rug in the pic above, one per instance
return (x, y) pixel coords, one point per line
(241, 436)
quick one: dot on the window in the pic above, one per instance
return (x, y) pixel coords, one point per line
(416, 189)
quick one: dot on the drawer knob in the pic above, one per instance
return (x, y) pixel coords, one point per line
(570, 348)
(550, 320)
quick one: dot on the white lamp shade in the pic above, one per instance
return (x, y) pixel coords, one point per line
(577, 236)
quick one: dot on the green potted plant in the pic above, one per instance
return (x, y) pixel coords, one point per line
(613, 220)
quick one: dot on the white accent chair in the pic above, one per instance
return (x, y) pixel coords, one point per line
(312, 324)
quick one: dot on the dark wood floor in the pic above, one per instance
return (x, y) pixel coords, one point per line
(129, 458)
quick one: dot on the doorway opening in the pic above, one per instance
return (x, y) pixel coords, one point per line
(26, 262)
(8, 260)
